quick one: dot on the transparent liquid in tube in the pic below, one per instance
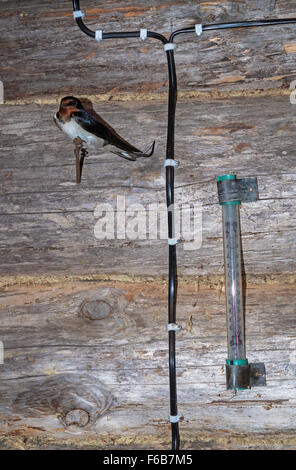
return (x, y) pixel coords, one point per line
(233, 282)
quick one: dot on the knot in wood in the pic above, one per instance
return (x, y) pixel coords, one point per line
(77, 417)
(95, 309)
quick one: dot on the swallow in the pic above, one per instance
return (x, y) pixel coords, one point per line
(93, 131)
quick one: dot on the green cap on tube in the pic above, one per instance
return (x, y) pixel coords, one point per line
(226, 177)
(223, 178)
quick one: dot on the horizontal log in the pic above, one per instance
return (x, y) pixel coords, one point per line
(46, 218)
(31, 439)
(254, 136)
(60, 59)
(71, 365)
(55, 244)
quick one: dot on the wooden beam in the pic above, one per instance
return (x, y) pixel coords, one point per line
(48, 221)
(61, 60)
(91, 358)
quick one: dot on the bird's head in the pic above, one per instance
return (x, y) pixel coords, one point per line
(68, 105)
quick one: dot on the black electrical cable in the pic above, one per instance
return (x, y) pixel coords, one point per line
(239, 24)
(114, 35)
(170, 174)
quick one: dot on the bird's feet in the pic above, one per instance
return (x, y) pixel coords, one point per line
(78, 142)
(80, 153)
(83, 152)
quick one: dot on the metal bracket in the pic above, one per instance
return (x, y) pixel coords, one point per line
(257, 374)
(245, 376)
(243, 190)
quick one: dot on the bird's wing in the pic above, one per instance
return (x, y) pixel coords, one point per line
(102, 130)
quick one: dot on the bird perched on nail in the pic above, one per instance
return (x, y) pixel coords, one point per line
(94, 132)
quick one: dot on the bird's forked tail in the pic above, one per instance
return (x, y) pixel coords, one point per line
(148, 152)
(131, 154)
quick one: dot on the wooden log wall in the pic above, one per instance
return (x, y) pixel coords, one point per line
(83, 321)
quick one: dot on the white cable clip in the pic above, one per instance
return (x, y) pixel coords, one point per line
(169, 46)
(170, 162)
(173, 241)
(175, 418)
(99, 35)
(143, 34)
(78, 14)
(174, 327)
(198, 29)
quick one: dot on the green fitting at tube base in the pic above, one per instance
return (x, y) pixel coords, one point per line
(228, 203)
(237, 362)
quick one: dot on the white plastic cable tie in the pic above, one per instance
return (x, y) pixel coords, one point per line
(173, 241)
(198, 29)
(175, 418)
(99, 35)
(170, 46)
(174, 327)
(143, 34)
(170, 162)
(78, 14)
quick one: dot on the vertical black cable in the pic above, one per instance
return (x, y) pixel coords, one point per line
(170, 202)
(170, 175)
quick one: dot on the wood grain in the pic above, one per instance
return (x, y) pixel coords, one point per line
(48, 222)
(84, 321)
(59, 59)
(106, 375)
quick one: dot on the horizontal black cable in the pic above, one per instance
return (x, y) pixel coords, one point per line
(114, 35)
(239, 24)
